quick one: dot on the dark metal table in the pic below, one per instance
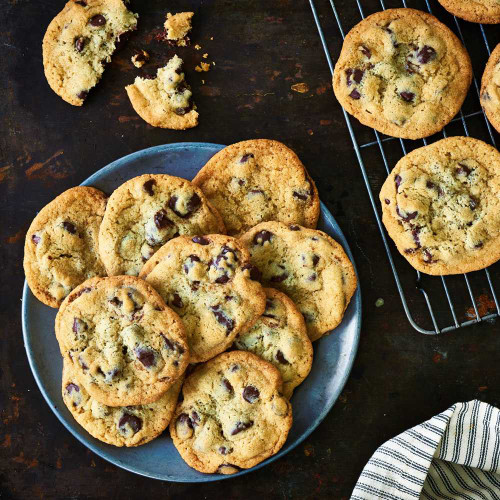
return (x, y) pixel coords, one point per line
(260, 49)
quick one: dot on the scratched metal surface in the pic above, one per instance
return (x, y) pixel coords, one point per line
(261, 49)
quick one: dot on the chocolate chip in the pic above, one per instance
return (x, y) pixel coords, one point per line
(35, 239)
(407, 96)
(183, 418)
(177, 301)
(387, 201)
(135, 423)
(80, 43)
(68, 226)
(473, 203)
(312, 277)
(161, 220)
(83, 364)
(76, 295)
(261, 237)
(281, 358)
(366, 51)
(425, 54)
(246, 157)
(416, 238)
(397, 181)
(201, 240)
(409, 216)
(355, 94)
(463, 170)
(300, 196)
(222, 318)
(83, 94)
(146, 356)
(97, 20)
(148, 186)
(315, 260)
(228, 385)
(195, 285)
(478, 245)
(255, 273)
(182, 111)
(279, 278)
(76, 325)
(72, 387)
(430, 185)
(222, 279)
(223, 450)
(81, 2)
(293, 227)
(235, 368)
(173, 346)
(116, 302)
(250, 394)
(241, 426)
(427, 256)
(195, 418)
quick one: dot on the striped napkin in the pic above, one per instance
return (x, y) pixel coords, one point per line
(454, 455)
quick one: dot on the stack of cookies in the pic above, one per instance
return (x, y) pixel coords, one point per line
(225, 278)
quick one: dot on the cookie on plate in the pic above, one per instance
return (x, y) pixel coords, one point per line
(280, 337)
(259, 180)
(441, 206)
(208, 281)
(147, 211)
(79, 42)
(475, 11)
(402, 72)
(125, 346)
(233, 415)
(308, 266)
(119, 426)
(61, 246)
(177, 27)
(490, 88)
(165, 100)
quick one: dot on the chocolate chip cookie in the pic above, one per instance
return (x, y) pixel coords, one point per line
(475, 11)
(119, 426)
(308, 266)
(280, 337)
(256, 181)
(441, 206)
(233, 415)
(80, 41)
(165, 100)
(403, 73)
(61, 247)
(125, 346)
(147, 211)
(490, 88)
(208, 281)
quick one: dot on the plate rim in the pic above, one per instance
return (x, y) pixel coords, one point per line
(208, 477)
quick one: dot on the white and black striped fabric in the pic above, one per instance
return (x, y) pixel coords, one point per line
(454, 455)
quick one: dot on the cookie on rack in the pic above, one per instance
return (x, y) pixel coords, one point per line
(232, 415)
(208, 281)
(308, 266)
(280, 337)
(61, 246)
(475, 11)
(490, 88)
(147, 211)
(441, 206)
(125, 346)
(165, 100)
(119, 426)
(402, 72)
(259, 180)
(79, 42)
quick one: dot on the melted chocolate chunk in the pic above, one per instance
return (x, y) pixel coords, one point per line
(201, 240)
(222, 318)
(221, 280)
(463, 170)
(177, 301)
(184, 419)
(255, 273)
(397, 181)
(173, 346)
(281, 358)
(261, 237)
(35, 239)
(407, 96)
(279, 278)
(355, 94)
(148, 186)
(315, 260)
(246, 157)
(250, 394)
(300, 196)
(427, 256)
(69, 226)
(72, 387)
(134, 422)
(191, 206)
(97, 20)
(161, 220)
(241, 426)
(425, 54)
(76, 295)
(409, 216)
(228, 385)
(366, 51)
(146, 356)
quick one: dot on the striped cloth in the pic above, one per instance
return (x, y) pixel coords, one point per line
(454, 455)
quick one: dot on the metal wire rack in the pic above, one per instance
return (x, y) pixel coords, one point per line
(389, 147)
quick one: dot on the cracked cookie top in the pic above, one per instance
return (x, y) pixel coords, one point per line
(208, 281)
(61, 246)
(125, 346)
(490, 88)
(402, 72)
(308, 266)
(233, 415)
(147, 211)
(80, 41)
(441, 206)
(475, 11)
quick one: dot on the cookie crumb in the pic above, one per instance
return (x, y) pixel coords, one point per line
(302, 88)
(379, 302)
(197, 47)
(140, 58)
(177, 27)
(202, 67)
(211, 38)
(205, 55)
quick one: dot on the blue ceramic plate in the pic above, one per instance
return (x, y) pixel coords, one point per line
(333, 355)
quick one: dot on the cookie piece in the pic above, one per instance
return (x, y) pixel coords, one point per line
(402, 72)
(140, 58)
(79, 42)
(119, 426)
(233, 415)
(280, 337)
(308, 266)
(207, 281)
(259, 180)
(178, 26)
(490, 88)
(164, 101)
(441, 206)
(125, 346)
(475, 11)
(61, 246)
(147, 211)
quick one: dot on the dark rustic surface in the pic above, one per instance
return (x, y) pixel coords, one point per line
(261, 48)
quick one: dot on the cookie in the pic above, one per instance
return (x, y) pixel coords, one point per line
(125, 346)
(165, 100)
(178, 26)
(144, 213)
(79, 42)
(259, 180)
(233, 415)
(119, 426)
(490, 88)
(280, 337)
(441, 206)
(61, 247)
(475, 11)
(308, 266)
(402, 72)
(208, 281)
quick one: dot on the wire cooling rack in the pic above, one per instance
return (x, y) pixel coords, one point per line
(449, 302)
